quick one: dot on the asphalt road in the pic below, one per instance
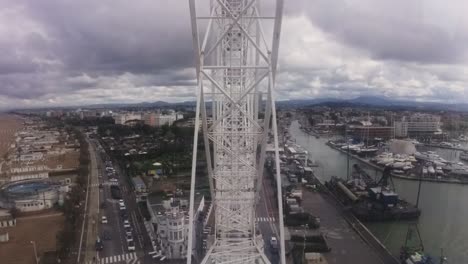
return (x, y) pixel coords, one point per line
(115, 249)
(267, 217)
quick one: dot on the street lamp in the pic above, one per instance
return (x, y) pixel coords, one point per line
(35, 251)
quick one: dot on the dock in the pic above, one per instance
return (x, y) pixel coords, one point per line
(349, 239)
(444, 147)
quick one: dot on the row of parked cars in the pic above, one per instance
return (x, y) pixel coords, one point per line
(127, 226)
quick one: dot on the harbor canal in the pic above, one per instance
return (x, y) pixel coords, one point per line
(444, 219)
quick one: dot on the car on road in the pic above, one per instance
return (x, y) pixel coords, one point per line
(128, 230)
(129, 238)
(113, 180)
(115, 192)
(103, 205)
(124, 214)
(274, 244)
(101, 186)
(106, 235)
(131, 246)
(104, 219)
(122, 207)
(126, 223)
(99, 245)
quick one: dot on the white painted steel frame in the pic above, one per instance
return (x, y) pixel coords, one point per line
(235, 65)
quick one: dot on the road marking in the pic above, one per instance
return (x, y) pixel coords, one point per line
(105, 184)
(265, 219)
(127, 257)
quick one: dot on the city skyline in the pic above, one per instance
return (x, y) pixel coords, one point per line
(81, 53)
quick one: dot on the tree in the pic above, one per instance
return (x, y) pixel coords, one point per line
(14, 212)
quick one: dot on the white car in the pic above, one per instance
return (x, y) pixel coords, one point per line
(128, 231)
(126, 224)
(122, 207)
(131, 246)
(129, 238)
(104, 219)
(113, 180)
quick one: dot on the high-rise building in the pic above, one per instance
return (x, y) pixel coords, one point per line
(418, 125)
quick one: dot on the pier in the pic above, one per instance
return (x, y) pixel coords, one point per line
(346, 247)
(444, 147)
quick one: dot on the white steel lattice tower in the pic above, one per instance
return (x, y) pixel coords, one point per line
(235, 65)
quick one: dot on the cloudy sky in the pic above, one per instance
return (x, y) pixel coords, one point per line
(68, 52)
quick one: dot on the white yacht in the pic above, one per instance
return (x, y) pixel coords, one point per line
(464, 156)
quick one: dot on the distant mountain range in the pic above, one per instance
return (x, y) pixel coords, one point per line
(376, 101)
(362, 101)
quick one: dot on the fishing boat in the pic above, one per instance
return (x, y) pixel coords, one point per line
(413, 251)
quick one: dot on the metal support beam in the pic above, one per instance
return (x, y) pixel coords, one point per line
(235, 66)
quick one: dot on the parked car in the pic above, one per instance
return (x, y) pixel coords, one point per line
(131, 246)
(124, 214)
(104, 219)
(129, 238)
(115, 192)
(128, 230)
(126, 223)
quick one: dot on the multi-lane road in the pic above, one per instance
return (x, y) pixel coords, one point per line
(267, 216)
(113, 235)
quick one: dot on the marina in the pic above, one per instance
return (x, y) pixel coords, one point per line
(442, 204)
(460, 170)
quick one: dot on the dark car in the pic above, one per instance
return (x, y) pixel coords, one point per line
(103, 205)
(106, 235)
(124, 214)
(128, 230)
(99, 245)
(115, 192)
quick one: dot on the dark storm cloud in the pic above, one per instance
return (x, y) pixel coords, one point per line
(82, 51)
(117, 36)
(149, 39)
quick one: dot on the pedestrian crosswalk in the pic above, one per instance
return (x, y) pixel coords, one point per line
(265, 219)
(105, 183)
(128, 258)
